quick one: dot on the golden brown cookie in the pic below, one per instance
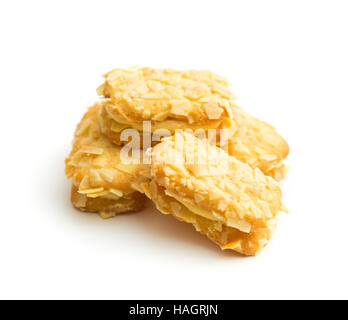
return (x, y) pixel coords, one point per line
(101, 182)
(235, 205)
(188, 100)
(156, 129)
(139, 94)
(257, 143)
(169, 99)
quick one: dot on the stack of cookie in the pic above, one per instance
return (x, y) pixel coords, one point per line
(203, 159)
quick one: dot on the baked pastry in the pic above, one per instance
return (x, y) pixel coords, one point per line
(257, 143)
(229, 196)
(169, 99)
(101, 181)
(235, 205)
(191, 100)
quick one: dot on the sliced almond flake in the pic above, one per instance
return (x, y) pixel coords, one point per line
(195, 91)
(88, 191)
(217, 216)
(169, 171)
(146, 188)
(92, 150)
(259, 150)
(268, 157)
(85, 162)
(94, 178)
(161, 116)
(239, 224)
(213, 112)
(100, 161)
(137, 187)
(85, 125)
(111, 196)
(116, 192)
(215, 195)
(180, 107)
(84, 184)
(187, 216)
(97, 194)
(155, 85)
(108, 174)
(192, 207)
(126, 167)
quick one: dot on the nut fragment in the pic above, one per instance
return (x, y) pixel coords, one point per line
(213, 111)
(92, 150)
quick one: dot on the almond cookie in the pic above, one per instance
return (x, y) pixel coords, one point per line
(189, 100)
(101, 182)
(169, 99)
(235, 205)
(257, 143)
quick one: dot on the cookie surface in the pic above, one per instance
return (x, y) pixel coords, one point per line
(235, 205)
(258, 144)
(101, 182)
(188, 100)
(113, 129)
(139, 94)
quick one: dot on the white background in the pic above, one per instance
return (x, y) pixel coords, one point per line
(287, 61)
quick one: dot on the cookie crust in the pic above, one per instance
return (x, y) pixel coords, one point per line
(101, 182)
(139, 94)
(235, 205)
